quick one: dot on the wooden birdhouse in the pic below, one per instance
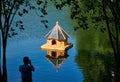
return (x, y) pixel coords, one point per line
(57, 39)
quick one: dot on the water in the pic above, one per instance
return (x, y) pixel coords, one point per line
(28, 43)
(44, 70)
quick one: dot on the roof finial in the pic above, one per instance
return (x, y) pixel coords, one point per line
(56, 22)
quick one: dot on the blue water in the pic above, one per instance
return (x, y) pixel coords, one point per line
(44, 70)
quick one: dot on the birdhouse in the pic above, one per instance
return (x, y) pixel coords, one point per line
(57, 39)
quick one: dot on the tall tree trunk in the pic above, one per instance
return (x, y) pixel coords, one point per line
(0, 64)
(0, 38)
(114, 45)
(4, 60)
(116, 22)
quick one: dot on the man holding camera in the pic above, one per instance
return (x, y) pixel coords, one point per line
(26, 70)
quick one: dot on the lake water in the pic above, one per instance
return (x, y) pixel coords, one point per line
(44, 70)
(28, 43)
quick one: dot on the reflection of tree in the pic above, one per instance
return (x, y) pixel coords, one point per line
(94, 56)
(96, 67)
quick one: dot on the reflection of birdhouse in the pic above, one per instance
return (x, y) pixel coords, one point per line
(56, 57)
(56, 53)
(57, 39)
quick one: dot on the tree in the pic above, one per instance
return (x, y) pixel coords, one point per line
(103, 15)
(114, 6)
(8, 10)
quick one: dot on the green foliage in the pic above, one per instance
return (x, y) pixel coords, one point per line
(20, 8)
(89, 15)
(92, 39)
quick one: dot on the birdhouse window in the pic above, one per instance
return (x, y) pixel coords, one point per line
(53, 42)
(53, 54)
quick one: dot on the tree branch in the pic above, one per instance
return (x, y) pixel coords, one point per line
(5, 21)
(8, 18)
(116, 21)
(11, 9)
(0, 14)
(12, 16)
(108, 27)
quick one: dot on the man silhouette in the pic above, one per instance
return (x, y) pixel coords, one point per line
(26, 70)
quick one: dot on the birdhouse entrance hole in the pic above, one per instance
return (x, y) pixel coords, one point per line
(53, 42)
(53, 54)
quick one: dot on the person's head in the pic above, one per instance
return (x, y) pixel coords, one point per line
(26, 60)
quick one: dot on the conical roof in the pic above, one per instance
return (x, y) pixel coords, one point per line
(57, 33)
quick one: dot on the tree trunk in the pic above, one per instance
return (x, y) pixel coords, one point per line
(0, 66)
(114, 45)
(4, 60)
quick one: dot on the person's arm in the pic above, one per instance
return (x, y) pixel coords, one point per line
(32, 67)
